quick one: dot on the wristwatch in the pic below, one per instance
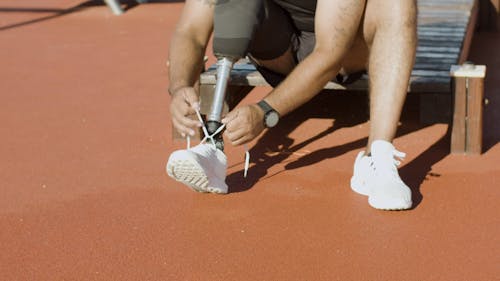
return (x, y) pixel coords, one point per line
(271, 116)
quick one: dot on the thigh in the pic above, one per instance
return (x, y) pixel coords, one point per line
(278, 46)
(274, 33)
(272, 48)
(354, 62)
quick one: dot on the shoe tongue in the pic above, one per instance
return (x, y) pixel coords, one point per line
(382, 147)
(383, 155)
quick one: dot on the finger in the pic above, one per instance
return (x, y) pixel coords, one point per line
(179, 128)
(182, 111)
(231, 116)
(188, 122)
(191, 98)
(182, 129)
(244, 139)
(188, 110)
(233, 126)
(234, 136)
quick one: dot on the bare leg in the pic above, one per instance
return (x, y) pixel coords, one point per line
(388, 37)
(355, 60)
(390, 32)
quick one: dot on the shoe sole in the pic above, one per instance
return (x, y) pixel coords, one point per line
(189, 173)
(358, 186)
(388, 204)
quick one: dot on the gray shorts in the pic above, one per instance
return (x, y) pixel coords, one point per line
(277, 32)
(279, 29)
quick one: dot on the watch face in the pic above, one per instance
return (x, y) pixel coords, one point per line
(272, 118)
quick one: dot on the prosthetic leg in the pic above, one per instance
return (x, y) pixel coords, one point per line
(234, 24)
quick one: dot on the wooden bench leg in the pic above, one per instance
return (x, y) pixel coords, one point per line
(489, 15)
(467, 126)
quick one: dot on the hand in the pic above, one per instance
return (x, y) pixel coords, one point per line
(244, 124)
(184, 102)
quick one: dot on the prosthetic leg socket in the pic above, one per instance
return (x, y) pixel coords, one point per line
(234, 24)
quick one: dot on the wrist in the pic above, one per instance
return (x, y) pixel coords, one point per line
(174, 90)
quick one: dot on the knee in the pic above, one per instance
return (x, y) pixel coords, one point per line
(282, 64)
(393, 18)
(401, 18)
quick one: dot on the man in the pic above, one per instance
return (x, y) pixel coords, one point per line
(299, 47)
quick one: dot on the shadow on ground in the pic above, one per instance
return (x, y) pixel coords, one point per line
(345, 110)
(351, 109)
(484, 50)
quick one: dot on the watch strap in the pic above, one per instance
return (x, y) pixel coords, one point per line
(265, 106)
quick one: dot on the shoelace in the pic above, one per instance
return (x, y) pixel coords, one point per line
(400, 155)
(211, 138)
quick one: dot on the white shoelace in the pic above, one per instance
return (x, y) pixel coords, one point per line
(212, 140)
(400, 155)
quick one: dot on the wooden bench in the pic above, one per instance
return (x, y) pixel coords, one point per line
(445, 29)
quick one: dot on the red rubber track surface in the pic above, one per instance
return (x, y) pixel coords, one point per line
(85, 135)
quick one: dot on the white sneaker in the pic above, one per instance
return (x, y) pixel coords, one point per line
(377, 177)
(203, 168)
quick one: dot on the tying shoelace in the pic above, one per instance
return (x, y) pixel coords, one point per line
(212, 140)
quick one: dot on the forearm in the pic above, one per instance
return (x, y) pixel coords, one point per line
(336, 25)
(303, 83)
(185, 61)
